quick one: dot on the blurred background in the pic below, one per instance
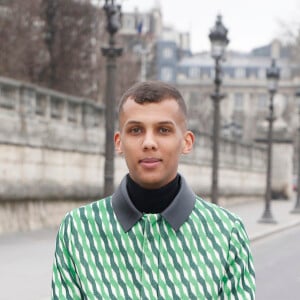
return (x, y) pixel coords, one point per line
(64, 65)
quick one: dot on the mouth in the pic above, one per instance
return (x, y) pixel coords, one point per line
(150, 162)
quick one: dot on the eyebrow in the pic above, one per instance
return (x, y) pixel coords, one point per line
(134, 122)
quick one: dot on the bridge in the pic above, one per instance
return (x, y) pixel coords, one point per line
(52, 158)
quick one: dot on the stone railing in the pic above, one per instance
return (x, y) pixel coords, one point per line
(39, 117)
(232, 155)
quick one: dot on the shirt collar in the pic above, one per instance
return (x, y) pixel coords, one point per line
(175, 214)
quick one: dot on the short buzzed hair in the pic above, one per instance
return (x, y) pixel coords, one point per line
(153, 92)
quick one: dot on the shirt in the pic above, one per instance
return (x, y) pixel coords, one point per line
(192, 250)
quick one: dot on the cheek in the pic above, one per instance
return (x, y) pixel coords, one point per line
(128, 147)
(172, 149)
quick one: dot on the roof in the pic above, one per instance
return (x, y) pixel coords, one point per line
(233, 59)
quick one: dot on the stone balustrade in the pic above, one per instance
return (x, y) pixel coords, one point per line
(233, 154)
(39, 117)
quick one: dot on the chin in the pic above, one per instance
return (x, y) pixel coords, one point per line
(150, 183)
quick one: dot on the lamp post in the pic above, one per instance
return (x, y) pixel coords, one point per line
(113, 16)
(219, 41)
(296, 209)
(273, 75)
(141, 48)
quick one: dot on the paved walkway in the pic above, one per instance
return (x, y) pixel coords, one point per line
(26, 258)
(252, 212)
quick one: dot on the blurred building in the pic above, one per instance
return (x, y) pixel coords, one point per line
(244, 82)
(160, 48)
(163, 53)
(169, 58)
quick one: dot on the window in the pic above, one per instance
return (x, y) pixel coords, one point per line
(262, 101)
(238, 101)
(261, 73)
(240, 73)
(166, 74)
(194, 98)
(129, 23)
(205, 72)
(194, 72)
(167, 52)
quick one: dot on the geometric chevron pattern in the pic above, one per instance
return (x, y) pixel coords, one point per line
(207, 258)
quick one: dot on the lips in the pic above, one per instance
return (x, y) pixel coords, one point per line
(150, 162)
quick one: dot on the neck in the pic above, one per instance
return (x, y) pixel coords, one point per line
(152, 200)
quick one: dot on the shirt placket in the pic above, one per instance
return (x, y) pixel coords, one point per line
(150, 260)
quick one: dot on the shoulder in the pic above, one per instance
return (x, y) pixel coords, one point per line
(217, 218)
(215, 211)
(88, 212)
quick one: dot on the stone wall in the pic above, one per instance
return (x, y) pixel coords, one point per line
(51, 158)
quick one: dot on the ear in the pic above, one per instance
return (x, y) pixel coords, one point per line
(189, 139)
(118, 144)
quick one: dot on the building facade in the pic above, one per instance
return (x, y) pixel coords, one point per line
(246, 105)
(166, 55)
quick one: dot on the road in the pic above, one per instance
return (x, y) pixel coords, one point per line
(277, 264)
(25, 265)
(26, 261)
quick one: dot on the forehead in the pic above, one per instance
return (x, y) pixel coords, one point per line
(165, 110)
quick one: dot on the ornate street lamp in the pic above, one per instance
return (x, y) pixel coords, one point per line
(219, 41)
(296, 209)
(273, 75)
(113, 16)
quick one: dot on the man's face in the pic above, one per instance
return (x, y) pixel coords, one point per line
(152, 137)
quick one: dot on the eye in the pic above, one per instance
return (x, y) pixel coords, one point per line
(135, 130)
(164, 130)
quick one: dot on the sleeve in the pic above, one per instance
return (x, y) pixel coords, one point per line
(64, 278)
(239, 277)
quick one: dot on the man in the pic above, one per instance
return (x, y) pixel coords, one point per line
(153, 238)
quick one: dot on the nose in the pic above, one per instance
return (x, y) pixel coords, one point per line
(149, 141)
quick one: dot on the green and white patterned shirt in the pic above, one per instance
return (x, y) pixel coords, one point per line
(192, 250)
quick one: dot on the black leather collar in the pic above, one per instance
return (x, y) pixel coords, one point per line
(175, 214)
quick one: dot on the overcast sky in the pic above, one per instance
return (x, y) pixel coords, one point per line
(250, 23)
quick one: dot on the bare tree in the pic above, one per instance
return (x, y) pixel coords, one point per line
(69, 29)
(21, 47)
(57, 44)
